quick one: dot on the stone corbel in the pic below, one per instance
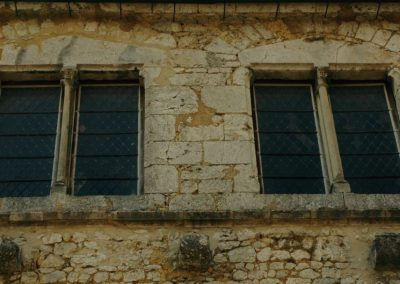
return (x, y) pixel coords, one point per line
(69, 83)
(328, 133)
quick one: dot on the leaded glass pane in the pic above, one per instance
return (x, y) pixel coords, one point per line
(294, 185)
(289, 151)
(366, 139)
(107, 149)
(28, 124)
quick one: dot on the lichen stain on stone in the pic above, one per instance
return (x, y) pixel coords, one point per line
(279, 28)
(203, 117)
(230, 172)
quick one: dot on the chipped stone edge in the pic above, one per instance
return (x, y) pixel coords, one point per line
(235, 206)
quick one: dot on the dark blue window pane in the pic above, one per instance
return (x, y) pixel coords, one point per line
(288, 143)
(100, 123)
(375, 185)
(291, 166)
(362, 98)
(24, 188)
(366, 139)
(29, 100)
(283, 98)
(106, 158)
(26, 169)
(106, 187)
(27, 146)
(293, 185)
(367, 143)
(113, 167)
(290, 157)
(362, 121)
(108, 145)
(286, 122)
(109, 98)
(28, 124)
(371, 165)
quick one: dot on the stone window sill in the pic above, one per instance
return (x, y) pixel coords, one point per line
(201, 207)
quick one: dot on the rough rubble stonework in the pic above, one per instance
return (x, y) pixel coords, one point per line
(199, 154)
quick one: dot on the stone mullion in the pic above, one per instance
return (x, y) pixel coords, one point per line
(329, 137)
(68, 82)
(394, 76)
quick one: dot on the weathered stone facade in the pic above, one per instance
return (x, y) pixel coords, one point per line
(197, 62)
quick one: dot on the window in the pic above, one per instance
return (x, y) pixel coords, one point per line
(290, 147)
(288, 139)
(367, 136)
(28, 127)
(80, 137)
(106, 155)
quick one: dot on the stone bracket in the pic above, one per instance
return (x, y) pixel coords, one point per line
(385, 252)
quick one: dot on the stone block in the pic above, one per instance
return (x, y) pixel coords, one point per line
(365, 31)
(160, 179)
(198, 79)
(241, 77)
(242, 254)
(215, 186)
(189, 202)
(54, 277)
(211, 8)
(394, 43)
(226, 99)
(194, 252)
(202, 133)
(163, 39)
(246, 179)
(203, 172)
(241, 202)
(189, 58)
(160, 128)
(348, 29)
(218, 45)
(174, 153)
(381, 37)
(170, 100)
(189, 187)
(238, 127)
(385, 252)
(228, 152)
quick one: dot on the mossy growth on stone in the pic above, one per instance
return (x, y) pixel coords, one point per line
(10, 256)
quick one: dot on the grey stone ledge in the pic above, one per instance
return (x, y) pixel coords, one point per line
(201, 207)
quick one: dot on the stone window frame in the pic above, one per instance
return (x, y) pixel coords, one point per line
(69, 78)
(384, 73)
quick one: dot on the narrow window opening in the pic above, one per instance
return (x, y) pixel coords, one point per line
(288, 139)
(29, 118)
(107, 157)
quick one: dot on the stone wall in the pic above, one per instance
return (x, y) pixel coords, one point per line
(197, 62)
(294, 254)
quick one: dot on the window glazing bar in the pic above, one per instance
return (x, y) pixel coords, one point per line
(329, 138)
(68, 82)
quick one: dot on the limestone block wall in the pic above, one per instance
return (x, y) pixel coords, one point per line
(196, 63)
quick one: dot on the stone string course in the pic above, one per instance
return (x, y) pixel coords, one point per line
(307, 254)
